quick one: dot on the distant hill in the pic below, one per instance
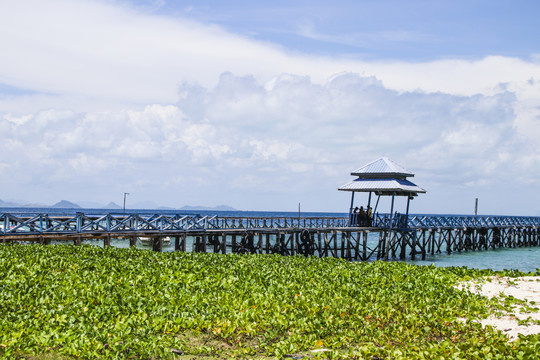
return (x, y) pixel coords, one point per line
(64, 204)
(225, 208)
(8, 204)
(206, 208)
(34, 205)
(112, 205)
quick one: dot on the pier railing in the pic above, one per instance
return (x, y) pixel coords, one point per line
(384, 236)
(402, 221)
(43, 224)
(38, 224)
(456, 221)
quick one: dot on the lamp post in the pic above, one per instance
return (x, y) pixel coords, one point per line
(125, 195)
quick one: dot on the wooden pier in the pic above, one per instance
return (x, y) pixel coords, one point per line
(389, 237)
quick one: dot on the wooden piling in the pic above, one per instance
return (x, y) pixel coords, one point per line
(364, 245)
(157, 243)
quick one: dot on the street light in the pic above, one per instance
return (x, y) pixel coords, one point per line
(125, 195)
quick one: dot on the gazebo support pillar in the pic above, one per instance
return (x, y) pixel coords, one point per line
(407, 212)
(377, 204)
(392, 210)
(351, 208)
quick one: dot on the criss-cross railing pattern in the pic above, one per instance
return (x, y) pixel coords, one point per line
(42, 224)
(455, 221)
(39, 224)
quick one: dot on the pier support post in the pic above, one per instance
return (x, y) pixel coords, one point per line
(344, 235)
(233, 243)
(449, 242)
(364, 245)
(326, 244)
(388, 234)
(157, 244)
(423, 245)
(223, 243)
(404, 236)
(413, 245)
(380, 246)
(349, 245)
(432, 242)
(357, 246)
(336, 246)
(177, 243)
(459, 239)
(204, 240)
(260, 243)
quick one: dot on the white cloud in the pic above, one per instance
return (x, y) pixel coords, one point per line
(244, 139)
(307, 29)
(98, 50)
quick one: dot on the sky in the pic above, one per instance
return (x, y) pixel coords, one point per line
(267, 105)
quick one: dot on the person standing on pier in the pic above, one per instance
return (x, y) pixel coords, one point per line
(369, 216)
(355, 220)
(362, 216)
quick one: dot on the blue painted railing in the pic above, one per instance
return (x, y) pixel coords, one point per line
(43, 224)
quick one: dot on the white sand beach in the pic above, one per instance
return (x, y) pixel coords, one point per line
(524, 288)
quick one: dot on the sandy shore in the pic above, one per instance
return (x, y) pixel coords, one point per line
(524, 288)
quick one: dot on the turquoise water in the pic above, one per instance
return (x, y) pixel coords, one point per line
(523, 259)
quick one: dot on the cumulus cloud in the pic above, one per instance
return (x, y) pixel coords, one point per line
(244, 140)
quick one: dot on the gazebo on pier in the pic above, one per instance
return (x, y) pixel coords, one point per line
(381, 177)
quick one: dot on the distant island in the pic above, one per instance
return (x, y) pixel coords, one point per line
(218, 208)
(112, 206)
(65, 204)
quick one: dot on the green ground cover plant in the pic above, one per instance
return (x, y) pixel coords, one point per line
(65, 301)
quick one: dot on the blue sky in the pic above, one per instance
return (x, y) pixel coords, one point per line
(262, 105)
(388, 30)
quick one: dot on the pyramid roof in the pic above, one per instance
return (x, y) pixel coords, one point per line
(383, 177)
(382, 168)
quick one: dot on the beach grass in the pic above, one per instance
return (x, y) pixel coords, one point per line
(65, 301)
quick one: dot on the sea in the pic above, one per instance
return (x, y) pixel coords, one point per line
(522, 259)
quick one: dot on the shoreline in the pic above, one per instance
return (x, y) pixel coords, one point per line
(525, 317)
